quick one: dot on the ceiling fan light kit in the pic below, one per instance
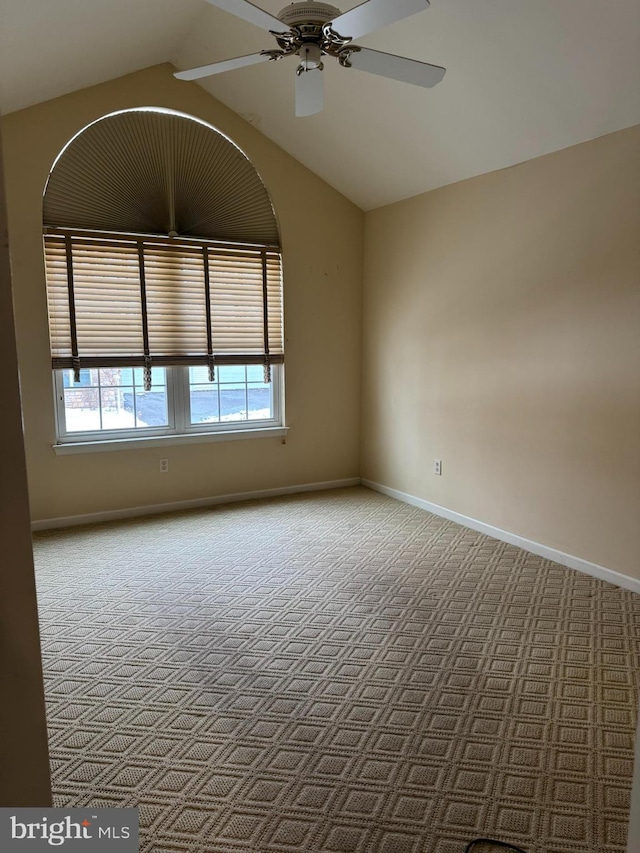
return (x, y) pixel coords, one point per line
(311, 30)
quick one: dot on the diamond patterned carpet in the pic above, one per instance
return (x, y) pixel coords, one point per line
(336, 673)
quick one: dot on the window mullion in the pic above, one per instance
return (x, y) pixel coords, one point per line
(172, 396)
(180, 391)
(58, 384)
(134, 399)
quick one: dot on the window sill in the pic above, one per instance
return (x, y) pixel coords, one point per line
(166, 440)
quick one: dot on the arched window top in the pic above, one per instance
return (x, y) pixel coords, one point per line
(162, 253)
(150, 171)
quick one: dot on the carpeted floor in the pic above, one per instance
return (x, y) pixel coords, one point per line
(336, 673)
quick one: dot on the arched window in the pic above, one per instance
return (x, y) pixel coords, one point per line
(163, 282)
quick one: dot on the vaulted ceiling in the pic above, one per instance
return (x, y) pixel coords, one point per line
(524, 78)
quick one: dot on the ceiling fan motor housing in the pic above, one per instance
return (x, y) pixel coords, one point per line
(314, 14)
(310, 35)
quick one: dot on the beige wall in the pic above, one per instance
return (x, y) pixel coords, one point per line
(502, 335)
(24, 761)
(322, 236)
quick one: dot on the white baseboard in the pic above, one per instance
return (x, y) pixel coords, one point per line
(545, 551)
(155, 509)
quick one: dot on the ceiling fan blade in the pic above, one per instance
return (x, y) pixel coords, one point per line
(309, 92)
(373, 15)
(219, 67)
(253, 14)
(396, 67)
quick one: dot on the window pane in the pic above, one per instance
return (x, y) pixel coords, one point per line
(230, 398)
(82, 409)
(204, 403)
(116, 376)
(87, 379)
(199, 374)
(112, 402)
(260, 404)
(151, 407)
(233, 403)
(255, 373)
(158, 376)
(117, 406)
(232, 373)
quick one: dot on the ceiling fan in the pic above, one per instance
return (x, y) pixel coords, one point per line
(311, 30)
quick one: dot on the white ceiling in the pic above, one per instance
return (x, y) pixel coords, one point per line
(524, 78)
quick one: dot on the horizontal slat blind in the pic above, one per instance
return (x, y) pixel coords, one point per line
(236, 301)
(58, 298)
(109, 313)
(274, 302)
(107, 299)
(176, 301)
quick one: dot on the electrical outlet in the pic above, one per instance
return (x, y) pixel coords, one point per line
(164, 466)
(437, 466)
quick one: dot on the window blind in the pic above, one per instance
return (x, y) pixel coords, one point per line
(157, 172)
(124, 300)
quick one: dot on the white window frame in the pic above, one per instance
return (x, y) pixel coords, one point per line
(180, 430)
